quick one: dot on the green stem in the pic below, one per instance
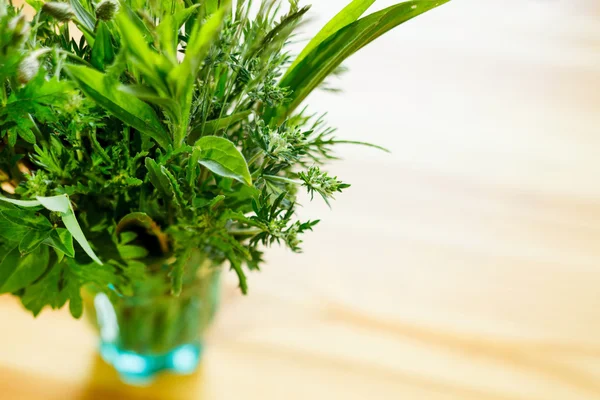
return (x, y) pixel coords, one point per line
(255, 158)
(283, 179)
(76, 57)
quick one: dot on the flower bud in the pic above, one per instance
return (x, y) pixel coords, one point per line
(106, 10)
(60, 11)
(29, 66)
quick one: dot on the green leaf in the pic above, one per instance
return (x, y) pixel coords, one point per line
(103, 53)
(75, 301)
(27, 135)
(222, 157)
(216, 125)
(61, 239)
(27, 219)
(349, 14)
(19, 272)
(211, 6)
(62, 205)
(151, 96)
(178, 270)
(168, 29)
(131, 252)
(59, 204)
(153, 65)
(11, 231)
(201, 38)
(174, 186)
(32, 240)
(85, 18)
(126, 107)
(21, 203)
(158, 179)
(45, 292)
(327, 56)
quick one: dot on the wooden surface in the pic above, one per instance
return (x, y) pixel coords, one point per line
(463, 266)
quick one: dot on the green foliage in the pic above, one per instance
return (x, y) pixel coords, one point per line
(325, 57)
(166, 129)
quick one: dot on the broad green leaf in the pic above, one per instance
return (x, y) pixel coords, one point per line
(62, 204)
(27, 135)
(11, 231)
(150, 96)
(126, 107)
(61, 239)
(103, 53)
(349, 14)
(327, 56)
(27, 219)
(216, 125)
(32, 240)
(222, 157)
(9, 258)
(18, 275)
(85, 18)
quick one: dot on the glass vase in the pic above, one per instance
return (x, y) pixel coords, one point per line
(149, 333)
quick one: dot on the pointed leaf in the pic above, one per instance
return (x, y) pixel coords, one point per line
(150, 96)
(62, 240)
(102, 53)
(349, 14)
(85, 18)
(153, 65)
(201, 38)
(158, 179)
(327, 56)
(62, 205)
(126, 107)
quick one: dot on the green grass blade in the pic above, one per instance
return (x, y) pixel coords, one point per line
(327, 56)
(348, 15)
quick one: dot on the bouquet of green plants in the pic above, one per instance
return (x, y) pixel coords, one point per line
(137, 134)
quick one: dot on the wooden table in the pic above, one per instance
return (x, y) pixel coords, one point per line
(464, 266)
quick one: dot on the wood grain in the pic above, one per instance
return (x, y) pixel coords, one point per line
(463, 266)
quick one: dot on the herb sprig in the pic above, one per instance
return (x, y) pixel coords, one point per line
(156, 127)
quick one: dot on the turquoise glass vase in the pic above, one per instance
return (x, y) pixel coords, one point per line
(149, 333)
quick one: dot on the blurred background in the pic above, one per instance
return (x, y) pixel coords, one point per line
(463, 265)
